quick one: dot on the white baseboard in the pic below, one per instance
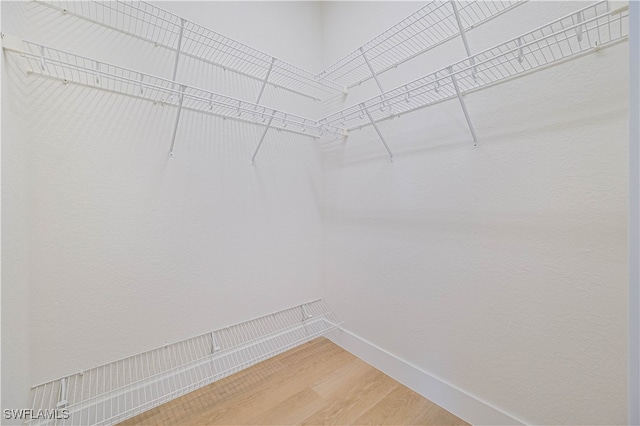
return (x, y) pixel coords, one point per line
(464, 405)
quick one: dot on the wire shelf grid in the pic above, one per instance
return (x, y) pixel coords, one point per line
(73, 68)
(113, 392)
(162, 28)
(430, 26)
(116, 391)
(587, 29)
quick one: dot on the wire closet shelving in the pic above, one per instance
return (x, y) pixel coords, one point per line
(585, 30)
(162, 28)
(69, 67)
(113, 392)
(423, 30)
(116, 391)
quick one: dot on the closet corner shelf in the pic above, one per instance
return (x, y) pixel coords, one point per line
(162, 28)
(585, 30)
(113, 392)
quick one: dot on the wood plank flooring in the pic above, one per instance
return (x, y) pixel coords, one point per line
(317, 383)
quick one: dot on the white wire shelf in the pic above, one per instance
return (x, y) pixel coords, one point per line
(116, 391)
(585, 30)
(163, 28)
(423, 30)
(69, 67)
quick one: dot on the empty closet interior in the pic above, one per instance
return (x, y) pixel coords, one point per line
(191, 188)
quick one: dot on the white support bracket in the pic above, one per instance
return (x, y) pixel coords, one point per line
(373, 73)
(305, 314)
(464, 107)
(464, 37)
(178, 49)
(265, 81)
(175, 126)
(375, 77)
(375, 126)
(520, 52)
(11, 43)
(579, 19)
(407, 94)
(62, 397)
(97, 73)
(175, 63)
(321, 124)
(214, 345)
(266, 129)
(42, 64)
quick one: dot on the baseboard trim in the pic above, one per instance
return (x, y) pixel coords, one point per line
(451, 398)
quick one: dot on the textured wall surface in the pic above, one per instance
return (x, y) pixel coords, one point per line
(111, 247)
(14, 368)
(502, 269)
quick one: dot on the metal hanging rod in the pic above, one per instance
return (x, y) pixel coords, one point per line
(73, 68)
(423, 30)
(559, 40)
(112, 392)
(162, 28)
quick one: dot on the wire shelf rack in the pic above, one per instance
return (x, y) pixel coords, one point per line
(162, 28)
(430, 26)
(113, 392)
(78, 69)
(585, 30)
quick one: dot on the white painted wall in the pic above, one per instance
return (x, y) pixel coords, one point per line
(110, 247)
(14, 320)
(634, 214)
(501, 270)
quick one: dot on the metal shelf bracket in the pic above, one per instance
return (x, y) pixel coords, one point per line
(266, 129)
(175, 126)
(266, 79)
(375, 126)
(463, 35)
(214, 344)
(463, 105)
(62, 398)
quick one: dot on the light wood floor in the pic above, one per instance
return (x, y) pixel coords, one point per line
(316, 383)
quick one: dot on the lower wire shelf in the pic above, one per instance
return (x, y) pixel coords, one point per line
(119, 390)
